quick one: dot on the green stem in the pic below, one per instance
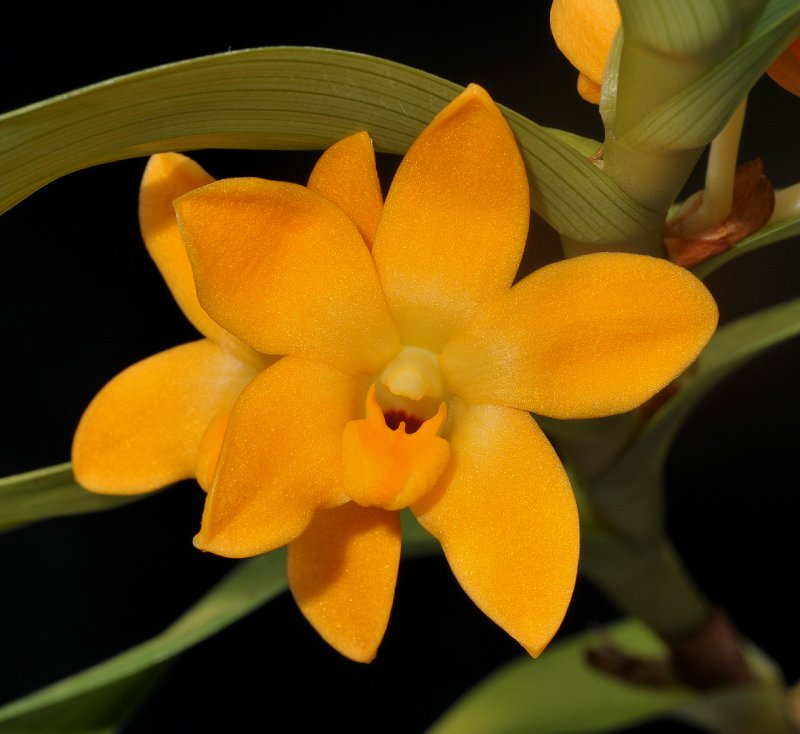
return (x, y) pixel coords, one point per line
(649, 582)
(787, 204)
(655, 178)
(660, 56)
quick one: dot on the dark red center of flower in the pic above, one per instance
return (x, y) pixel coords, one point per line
(394, 418)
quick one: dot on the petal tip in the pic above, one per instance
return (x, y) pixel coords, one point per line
(213, 543)
(358, 655)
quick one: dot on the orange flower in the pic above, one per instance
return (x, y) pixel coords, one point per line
(162, 420)
(411, 369)
(583, 31)
(786, 68)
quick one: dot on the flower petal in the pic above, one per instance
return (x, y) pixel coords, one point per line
(287, 272)
(210, 448)
(347, 176)
(143, 429)
(166, 177)
(342, 573)
(588, 89)
(281, 460)
(455, 220)
(582, 338)
(786, 68)
(505, 515)
(583, 31)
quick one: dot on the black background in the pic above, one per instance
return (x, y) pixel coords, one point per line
(81, 300)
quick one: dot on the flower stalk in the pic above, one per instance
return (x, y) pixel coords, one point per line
(677, 55)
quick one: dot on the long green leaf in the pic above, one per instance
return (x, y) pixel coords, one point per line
(680, 27)
(286, 98)
(560, 693)
(693, 117)
(49, 492)
(96, 699)
(768, 235)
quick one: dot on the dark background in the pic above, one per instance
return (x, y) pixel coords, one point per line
(81, 301)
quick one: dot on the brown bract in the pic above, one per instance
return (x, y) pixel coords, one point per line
(753, 202)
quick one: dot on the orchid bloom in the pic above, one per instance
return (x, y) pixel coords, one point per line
(583, 31)
(162, 420)
(411, 367)
(786, 68)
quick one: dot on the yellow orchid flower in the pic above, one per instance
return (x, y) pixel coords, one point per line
(410, 371)
(583, 31)
(162, 420)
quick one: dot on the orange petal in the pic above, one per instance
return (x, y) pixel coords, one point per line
(786, 68)
(287, 272)
(583, 31)
(281, 459)
(455, 220)
(583, 338)
(342, 573)
(143, 429)
(506, 518)
(588, 89)
(391, 468)
(210, 448)
(166, 177)
(347, 176)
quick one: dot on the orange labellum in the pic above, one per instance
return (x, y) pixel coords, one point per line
(389, 468)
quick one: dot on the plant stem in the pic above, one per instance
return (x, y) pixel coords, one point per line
(720, 171)
(649, 582)
(787, 204)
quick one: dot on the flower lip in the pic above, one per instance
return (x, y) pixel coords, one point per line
(388, 465)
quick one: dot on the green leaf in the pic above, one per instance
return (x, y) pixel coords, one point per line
(587, 147)
(691, 118)
(740, 711)
(680, 27)
(97, 697)
(768, 235)
(49, 492)
(286, 98)
(560, 693)
(608, 90)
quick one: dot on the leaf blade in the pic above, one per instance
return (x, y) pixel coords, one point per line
(285, 98)
(560, 693)
(251, 584)
(693, 117)
(49, 492)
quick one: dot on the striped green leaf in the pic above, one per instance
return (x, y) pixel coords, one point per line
(287, 98)
(49, 492)
(691, 118)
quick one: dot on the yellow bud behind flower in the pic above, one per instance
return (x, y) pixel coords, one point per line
(583, 31)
